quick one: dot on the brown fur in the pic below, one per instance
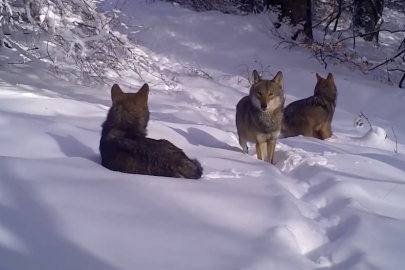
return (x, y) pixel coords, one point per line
(312, 116)
(124, 146)
(259, 115)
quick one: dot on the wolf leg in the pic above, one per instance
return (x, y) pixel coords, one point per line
(260, 150)
(307, 131)
(316, 134)
(271, 145)
(326, 131)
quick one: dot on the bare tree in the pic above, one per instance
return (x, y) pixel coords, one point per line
(74, 32)
(367, 18)
(308, 21)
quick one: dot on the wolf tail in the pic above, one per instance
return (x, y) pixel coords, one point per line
(190, 169)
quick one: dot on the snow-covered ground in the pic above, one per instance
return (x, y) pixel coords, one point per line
(337, 204)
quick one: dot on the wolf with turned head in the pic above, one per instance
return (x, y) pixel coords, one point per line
(312, 116)
(259, 115)
(125, 148)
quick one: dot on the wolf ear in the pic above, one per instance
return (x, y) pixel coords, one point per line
(318, 78)
(278, 79)
(255, 77)
(330, 77)
(116, 92)
(143, 93)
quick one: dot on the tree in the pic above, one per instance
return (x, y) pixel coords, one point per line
(367, 18)
(75, 31)
(295, 10)
(308, 21)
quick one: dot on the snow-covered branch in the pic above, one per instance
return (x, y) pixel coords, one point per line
(73, 32)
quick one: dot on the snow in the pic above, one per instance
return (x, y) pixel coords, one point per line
(335, 204)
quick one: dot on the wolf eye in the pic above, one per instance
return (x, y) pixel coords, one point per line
(259, 93)
(270, 94)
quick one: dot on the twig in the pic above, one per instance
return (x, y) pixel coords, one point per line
(245, 73)
(338, 15)
(365, 117)
(402, 80)
(396, 140)
(372, 32)
(198, 70)
(403, 75)
(19, 63)
(389, 192)
(388, 60)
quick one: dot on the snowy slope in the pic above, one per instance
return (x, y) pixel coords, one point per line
(336, 204)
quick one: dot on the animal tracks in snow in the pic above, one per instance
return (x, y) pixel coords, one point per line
(288, 158)
(329, 195)
(321, 198)
(232, 173)
(318, 227)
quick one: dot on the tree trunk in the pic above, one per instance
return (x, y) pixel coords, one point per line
(308, 21)
(367, 18)
(295, 10)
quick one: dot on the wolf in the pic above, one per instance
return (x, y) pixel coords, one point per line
(312, 116)
(259, 115)
(125, 148)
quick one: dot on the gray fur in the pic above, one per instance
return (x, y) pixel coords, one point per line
(259, 115)
(312, 116)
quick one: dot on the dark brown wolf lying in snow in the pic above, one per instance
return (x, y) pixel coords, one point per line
(124, 146)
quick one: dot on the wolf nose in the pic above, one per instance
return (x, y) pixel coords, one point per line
(264, 107)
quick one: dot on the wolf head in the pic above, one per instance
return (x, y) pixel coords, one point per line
(267, 95)
(326, 88)
(129, 111)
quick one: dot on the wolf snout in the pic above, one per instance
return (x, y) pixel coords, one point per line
(264, 107)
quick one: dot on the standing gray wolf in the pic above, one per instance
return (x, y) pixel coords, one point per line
(124, 146)
(259, 115)
(312, 116)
